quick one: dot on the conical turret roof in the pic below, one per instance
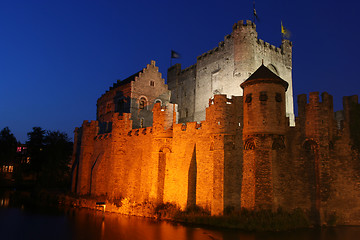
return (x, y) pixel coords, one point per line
(265, 75)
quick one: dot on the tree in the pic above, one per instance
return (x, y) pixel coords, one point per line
(8, 146)
(50, 154)
(57, 155)
(35, 146)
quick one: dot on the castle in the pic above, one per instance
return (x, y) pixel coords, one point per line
(245, 153)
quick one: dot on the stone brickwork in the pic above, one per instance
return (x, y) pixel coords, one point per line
(243, 155)
(222, 69)
(136, 95)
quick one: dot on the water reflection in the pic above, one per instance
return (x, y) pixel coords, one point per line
(94, 225)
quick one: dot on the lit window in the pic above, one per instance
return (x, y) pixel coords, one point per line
(11, 168)
(18, 149)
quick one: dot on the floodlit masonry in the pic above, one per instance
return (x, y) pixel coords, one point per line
(244, 154)
(222, 69)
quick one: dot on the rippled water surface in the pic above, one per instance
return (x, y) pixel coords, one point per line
(17, 223)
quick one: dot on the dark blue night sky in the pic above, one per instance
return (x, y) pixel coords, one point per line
(58, 57)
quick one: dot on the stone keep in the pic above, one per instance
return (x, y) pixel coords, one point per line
(222, 69)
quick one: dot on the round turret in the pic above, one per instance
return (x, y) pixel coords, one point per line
(264, 103)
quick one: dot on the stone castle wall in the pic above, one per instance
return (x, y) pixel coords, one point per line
(222, 69)
(226, 153)
(310, 166)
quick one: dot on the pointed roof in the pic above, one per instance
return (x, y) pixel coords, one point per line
(265, 75)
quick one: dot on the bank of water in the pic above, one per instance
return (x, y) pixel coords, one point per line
(77, 223)
(17, 223)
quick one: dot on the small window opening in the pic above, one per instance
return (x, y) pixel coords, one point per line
(278, 97)
(108, 107)
(263, 96)
(152, 83)
(248, 98)
(142, 103)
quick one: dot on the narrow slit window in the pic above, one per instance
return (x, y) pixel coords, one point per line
(248, 98)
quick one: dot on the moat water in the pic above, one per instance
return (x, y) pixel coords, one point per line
(38, 224)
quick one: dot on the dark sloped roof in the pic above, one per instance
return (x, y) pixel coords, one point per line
(263, 74)
(125, 81)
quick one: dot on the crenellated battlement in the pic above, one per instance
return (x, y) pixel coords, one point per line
(314, 99)
(90, 124)
(190, 68)
(269, 46)
(220, 47)
(242, 24)
(220, 99)
(140, 131)
(104, 136)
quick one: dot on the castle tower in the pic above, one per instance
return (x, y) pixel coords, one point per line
(222, 69)
(223, 118)
(84, 162)
(317, 124)
(263, 132)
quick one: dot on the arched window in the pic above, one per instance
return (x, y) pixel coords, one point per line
(278, 144)
(142, 103)
(248, 98)
(249, 144)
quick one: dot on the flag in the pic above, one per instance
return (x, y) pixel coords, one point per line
(175, 54)
(255, 14)
(285, 33)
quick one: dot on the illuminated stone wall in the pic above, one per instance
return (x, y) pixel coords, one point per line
(242, 155)
(221, 71)
(125, 97)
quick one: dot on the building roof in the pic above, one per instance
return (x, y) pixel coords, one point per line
(263, 74)
(125, 81)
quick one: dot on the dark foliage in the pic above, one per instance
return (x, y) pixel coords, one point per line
(8, 146)
(50, 154)
(35, 146)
